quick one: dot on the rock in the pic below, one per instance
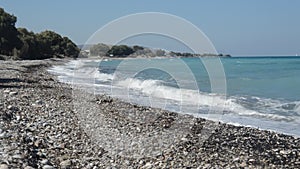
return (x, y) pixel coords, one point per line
(3, 166)
(37, 143)
(147, 166)
(18, 117)
(48, 167)
(142, 162)
(243, 164)
(17, 156)
(65, 164)
(285, 152)
(207, 166)
(6, 91)
(39, 102)
(236, 159)
(251, 160)
(44, 161)
(184, 139)
(9, 107)
(2, 135)
(25, 96)
(28, 167)
(127, 162)
(13, 93)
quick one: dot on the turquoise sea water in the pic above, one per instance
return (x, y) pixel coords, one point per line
(261, 92)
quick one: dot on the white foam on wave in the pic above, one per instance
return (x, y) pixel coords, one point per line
(242, 111)
(155, 88)
(297, 107)
(217, 103)
(103, 76)
(77, 69)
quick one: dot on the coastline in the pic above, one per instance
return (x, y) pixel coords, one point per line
(148, 57)
(40, 128)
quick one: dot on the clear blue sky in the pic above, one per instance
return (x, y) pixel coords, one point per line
(252, 27)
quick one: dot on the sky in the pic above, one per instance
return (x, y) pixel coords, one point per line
(236, 27)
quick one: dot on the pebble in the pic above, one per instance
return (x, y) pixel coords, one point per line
(285, 152)
(127, 162)
(39, 102)
(251, 160)
(3, 166)
(148, 166)
(6, 91)
(28, 167)
(65, 164)
(243, 164)
(2, 135)
(48, 167)
(13, 93)
(17, 156)
(184, 139)
(44, 161)
(142, 162)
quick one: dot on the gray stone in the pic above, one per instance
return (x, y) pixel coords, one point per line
(13, 93)
(65, 164)
(147, 166)
(48, 167)
(28, 167)
(44, 161)
(17, 156)
(3, 166)
(39, 102)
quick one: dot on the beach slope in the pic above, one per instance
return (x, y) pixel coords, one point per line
(40, 128)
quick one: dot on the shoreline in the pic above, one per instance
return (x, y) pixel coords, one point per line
(40, 128)
(148, 57)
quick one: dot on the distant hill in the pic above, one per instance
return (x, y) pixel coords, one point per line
(105, 50)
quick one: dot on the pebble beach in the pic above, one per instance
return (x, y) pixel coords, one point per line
(40, 127)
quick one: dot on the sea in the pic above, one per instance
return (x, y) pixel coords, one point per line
(260, 92)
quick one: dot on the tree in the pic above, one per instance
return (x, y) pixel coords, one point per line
(54, 45)
(45, 45)
(9, 40)
(50, 43)
(136, 48)
(69, 48)
(31, 47)
(121, 50)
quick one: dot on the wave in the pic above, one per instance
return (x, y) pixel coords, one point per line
(156, 88)
(79, 72)
(297, 108)
(214, 102)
